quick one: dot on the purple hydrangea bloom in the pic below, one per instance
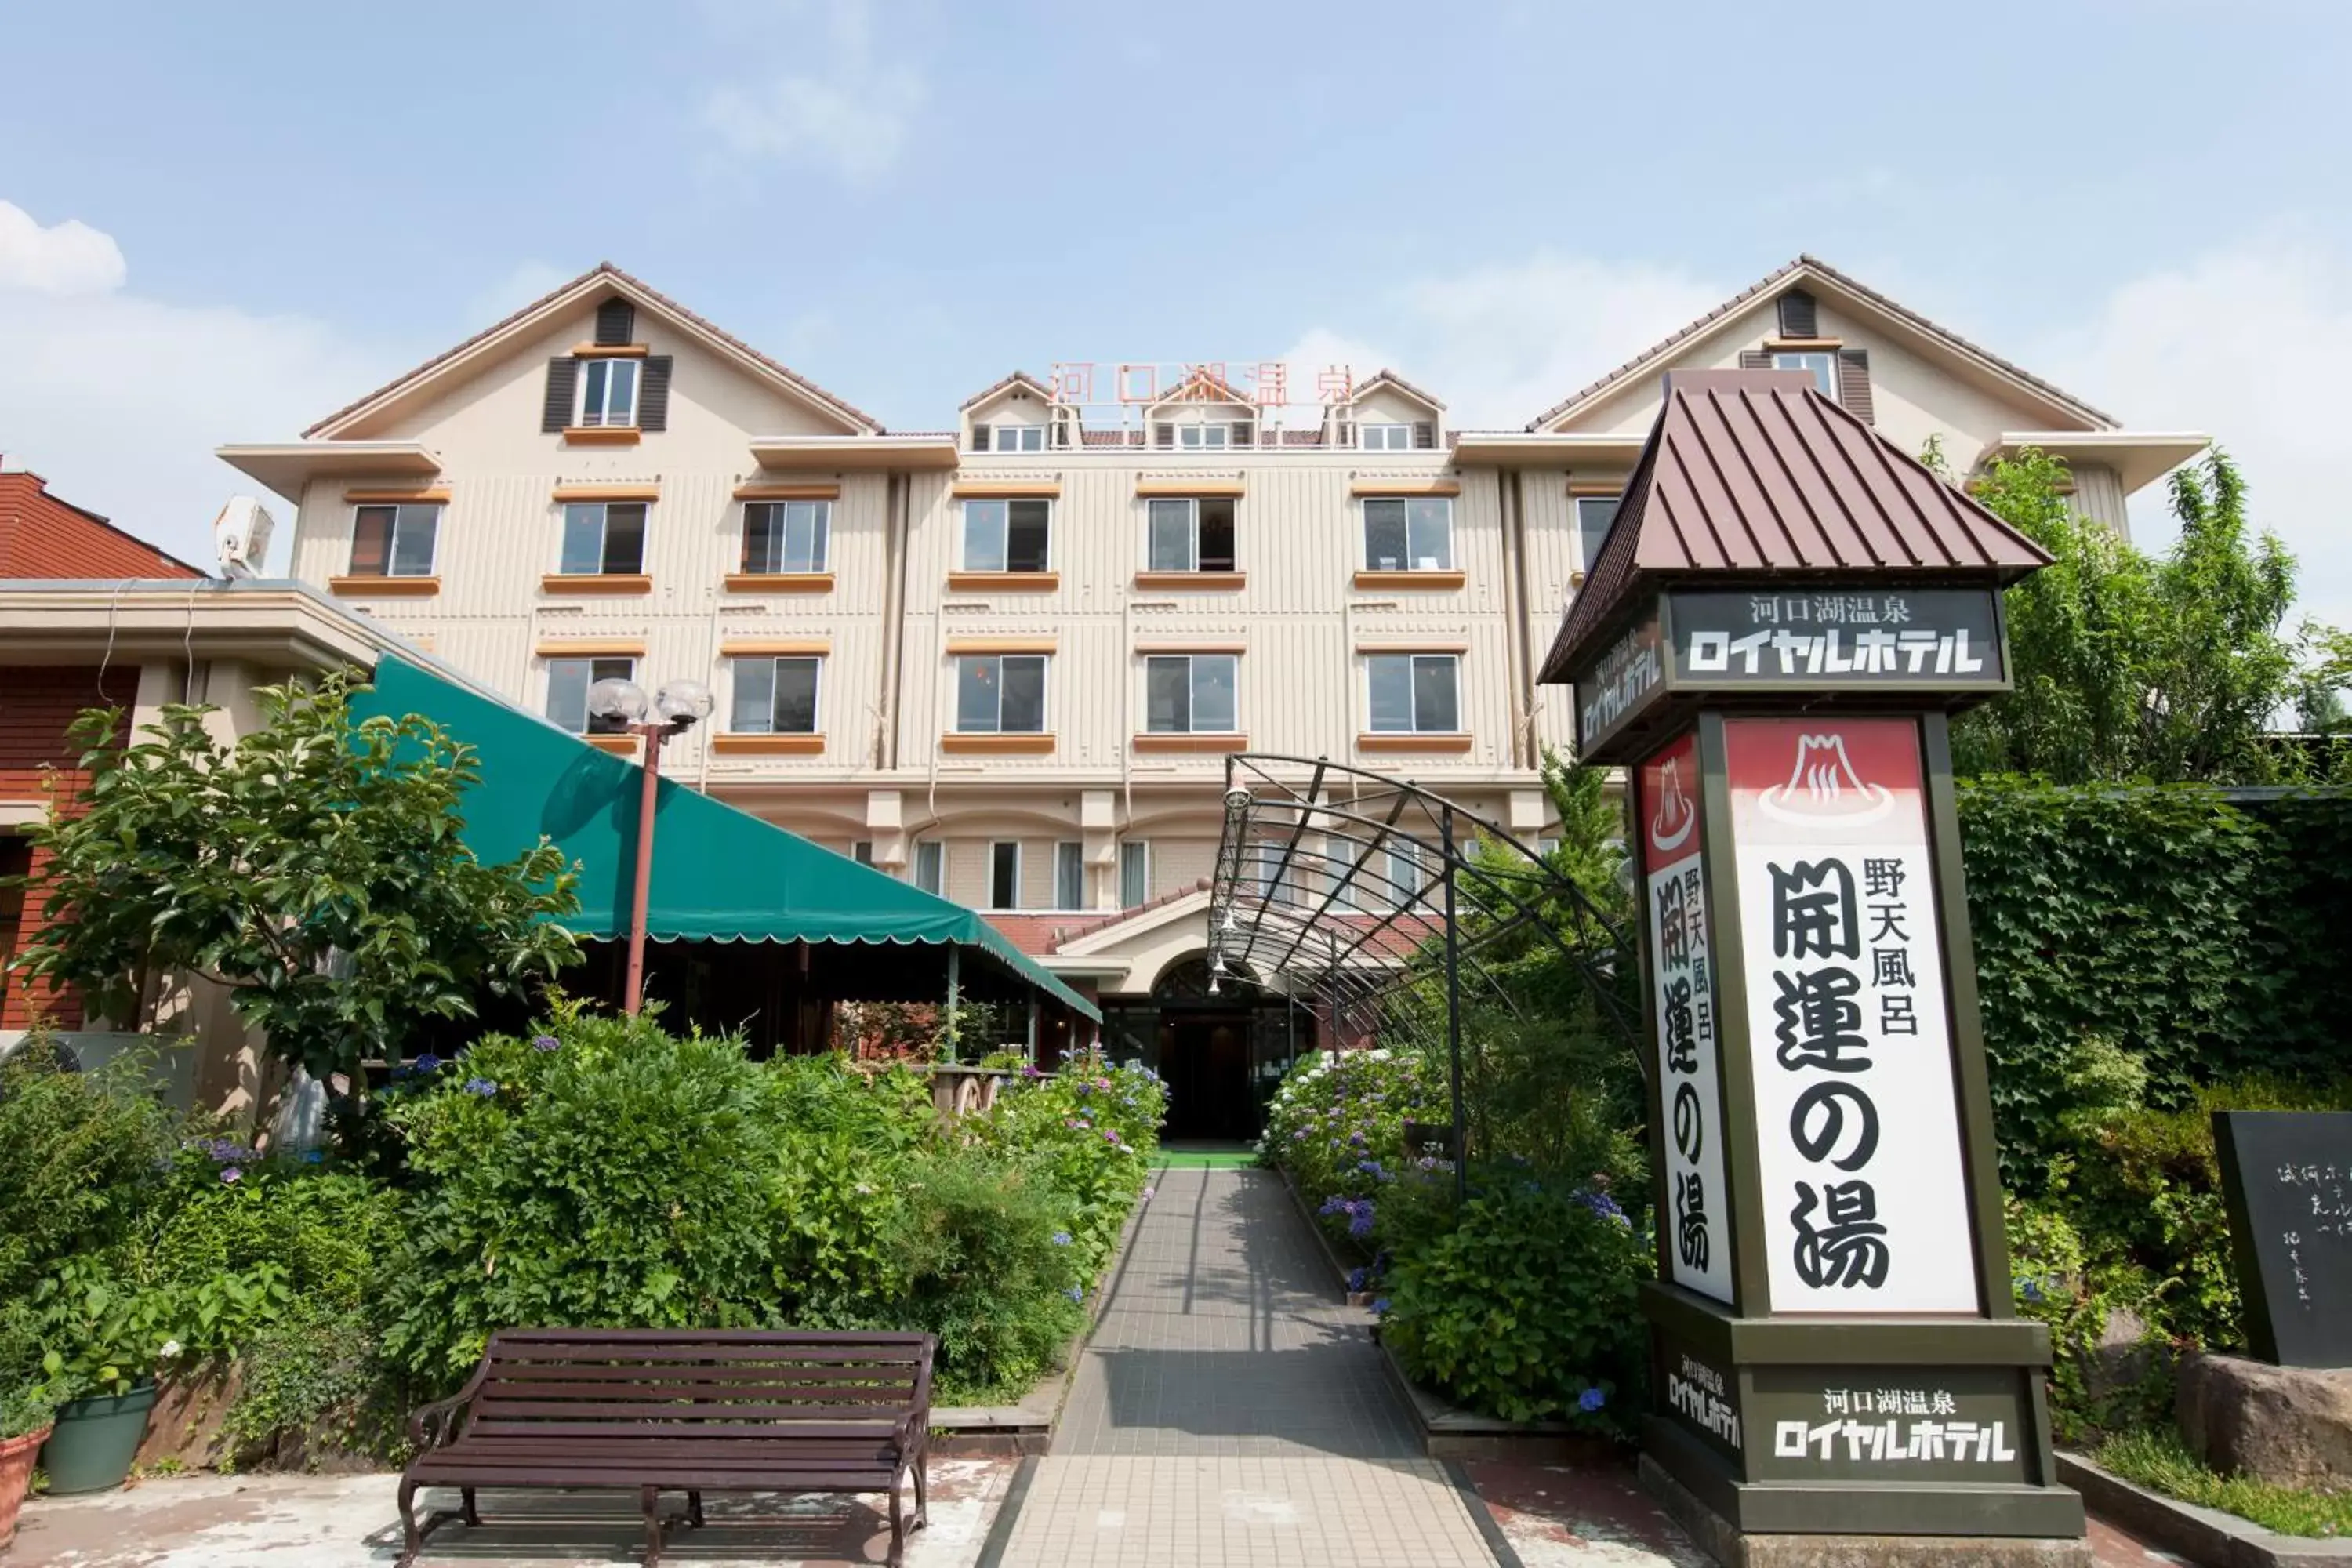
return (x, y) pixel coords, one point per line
(1061, 1238)
(481, 1088)
(1075, 1293)
(429, 1062)
(544, 1042)
(231, 1173)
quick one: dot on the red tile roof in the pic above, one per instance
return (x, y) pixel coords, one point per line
(1018, 378)
(1754, 471)
(43, 536)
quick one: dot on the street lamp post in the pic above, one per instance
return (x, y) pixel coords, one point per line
(676, 707)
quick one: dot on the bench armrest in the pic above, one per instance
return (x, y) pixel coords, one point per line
(440, 1418)
(913, 1430)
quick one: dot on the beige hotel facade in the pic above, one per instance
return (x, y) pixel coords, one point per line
(1006, 659)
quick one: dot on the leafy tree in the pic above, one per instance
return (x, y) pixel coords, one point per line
(2132, 666)
(314, 868)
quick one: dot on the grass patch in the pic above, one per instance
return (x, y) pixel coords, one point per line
(2162, 1462)
(1204, 1159)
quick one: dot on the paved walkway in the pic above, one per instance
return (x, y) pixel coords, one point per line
(1233, 1410)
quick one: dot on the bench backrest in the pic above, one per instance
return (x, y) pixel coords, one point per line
(706, 1383)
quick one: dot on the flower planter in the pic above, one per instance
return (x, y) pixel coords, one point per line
(95, 1440)
(16, 1456)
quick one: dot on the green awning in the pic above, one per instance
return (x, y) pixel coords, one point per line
(719, 874)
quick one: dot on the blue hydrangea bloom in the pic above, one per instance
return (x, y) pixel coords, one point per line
(481, 1087)
(1590, 1400)
(544, 1042)
(429, 1062)
(1061, 1238)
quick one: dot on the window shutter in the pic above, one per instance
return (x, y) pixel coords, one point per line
(1163, 435)
(1797, 319)
(1425, 434)
(653, 393)
(1243, 433)
(1755, 359)
(562, 385)
(616, 322)
(1854, 384)
(980, 438)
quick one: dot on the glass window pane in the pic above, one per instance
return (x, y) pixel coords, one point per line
(1212, 693)
(1214, 434)
(1023, 713)
(1134, 874)
(1404, 872)
(412, 540)
(591, 390)
(1026, 535)
(1391, 686)
(796, 705)
(755, 689)
(609, 669)
(1069, 877)
(1593, 516)
(930, 863)
(809, 523)
(1187, 435)
(567, 693)
(978, 685)
(583, 539)
(1214, 551)
(1171, 536)
(372, 541)
(761, 543)
(1167, 695)
(1004, 876)
(1384, 535)
(984, 536)
(625, 538)
(1433, 704)
(621, 392)
(1432, 533)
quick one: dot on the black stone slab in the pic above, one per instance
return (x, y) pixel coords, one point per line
(2286, 1176)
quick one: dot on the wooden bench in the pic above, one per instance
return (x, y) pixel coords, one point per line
(672, 1410)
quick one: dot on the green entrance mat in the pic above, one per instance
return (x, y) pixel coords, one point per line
(1203, 1156)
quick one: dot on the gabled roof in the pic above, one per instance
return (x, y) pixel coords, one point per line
(598, 282)
(1200, 387)
(1385, 377)
(1844, 291)
(1755, 472)
(1018, 378)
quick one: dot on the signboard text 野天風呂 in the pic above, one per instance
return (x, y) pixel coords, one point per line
(1940, 636)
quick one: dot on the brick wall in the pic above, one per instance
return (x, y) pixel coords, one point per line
(37, 703)
(41, 536)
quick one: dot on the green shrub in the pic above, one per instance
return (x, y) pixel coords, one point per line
(1337, 1125)
(1524, 1305)
(83, 1161)
(24, 1408)
(234, 1256)
(316, 1371)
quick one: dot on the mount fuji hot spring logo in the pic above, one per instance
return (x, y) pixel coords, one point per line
(1676, 816)
(1823, 786)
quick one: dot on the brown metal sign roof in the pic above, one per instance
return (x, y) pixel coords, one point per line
(1752, 475)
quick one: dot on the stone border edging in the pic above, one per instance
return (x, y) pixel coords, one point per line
(2203, 1535)
(1027, 1427)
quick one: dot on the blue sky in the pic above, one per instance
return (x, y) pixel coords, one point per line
(274, 207)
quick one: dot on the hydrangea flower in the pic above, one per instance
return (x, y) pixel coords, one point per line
(429, 1062)
(231, 1173)
(481, 1088)
(1061, 1238)
(1590, 1400)
(1380, 1307)
(544, 1042)
(1075, 1293)
(1148, 1192)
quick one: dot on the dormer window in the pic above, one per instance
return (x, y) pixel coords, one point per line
(608, 392)
(1020, 437)
(1205, 436)
(1384, 437)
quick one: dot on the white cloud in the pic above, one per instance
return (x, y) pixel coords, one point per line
(66, 257)
(527, 280)
(851, 117)
(2249, 344)
(1500, 344)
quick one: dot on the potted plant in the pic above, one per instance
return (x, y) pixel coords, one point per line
(24, 1427)
(104, 1343)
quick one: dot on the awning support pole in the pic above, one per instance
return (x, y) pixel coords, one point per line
(1454, 1018)
(955, 1000)
(632, 996)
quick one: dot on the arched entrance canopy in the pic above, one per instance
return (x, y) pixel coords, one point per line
(1369, 899)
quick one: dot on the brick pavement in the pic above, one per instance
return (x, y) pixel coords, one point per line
(1231, 1411)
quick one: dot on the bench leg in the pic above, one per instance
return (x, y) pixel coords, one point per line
(922, 1501)
(898, 1527)
(473, 1515)
(693, 1509)
(647, 1497)
(412, 1539)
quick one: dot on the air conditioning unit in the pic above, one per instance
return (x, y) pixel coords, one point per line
(241, 536)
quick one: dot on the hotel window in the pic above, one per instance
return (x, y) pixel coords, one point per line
(775, 697)
(603, 539)
(1384, 437)
(930, 866)
(395, 541)
(608, 392)
(1007, 535)
(1000, 694)
(1020, 437)
(1593, 516)
(1403, 873)
(1414, 693)
(786, 535)
(1408, 534)
(1069, 876)
(1205, 437)
(862, 852)
(568, 680)
(1190, 693)
(1820, 366)
(1004, 875)
(1192, 535)
(1134, 873)
(1340, 854)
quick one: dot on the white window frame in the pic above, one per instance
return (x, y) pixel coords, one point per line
(1412, 688)
(1191, 692)
(1139, 850)
(600, 366)
(935, 851)
(1582, 535)
(1384, 437)
(1193, 436)
(546, 686)
(1191, 505)
(1410, 563)
(604, 511)
(816, 705)
(1822, 365)
(392, 540)
(821, 537)
(1025, 437)
(1005, 538)
(1045, 692)
(993, 846)
(1068, 853)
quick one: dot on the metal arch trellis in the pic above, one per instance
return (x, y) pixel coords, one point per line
(1349, 890)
